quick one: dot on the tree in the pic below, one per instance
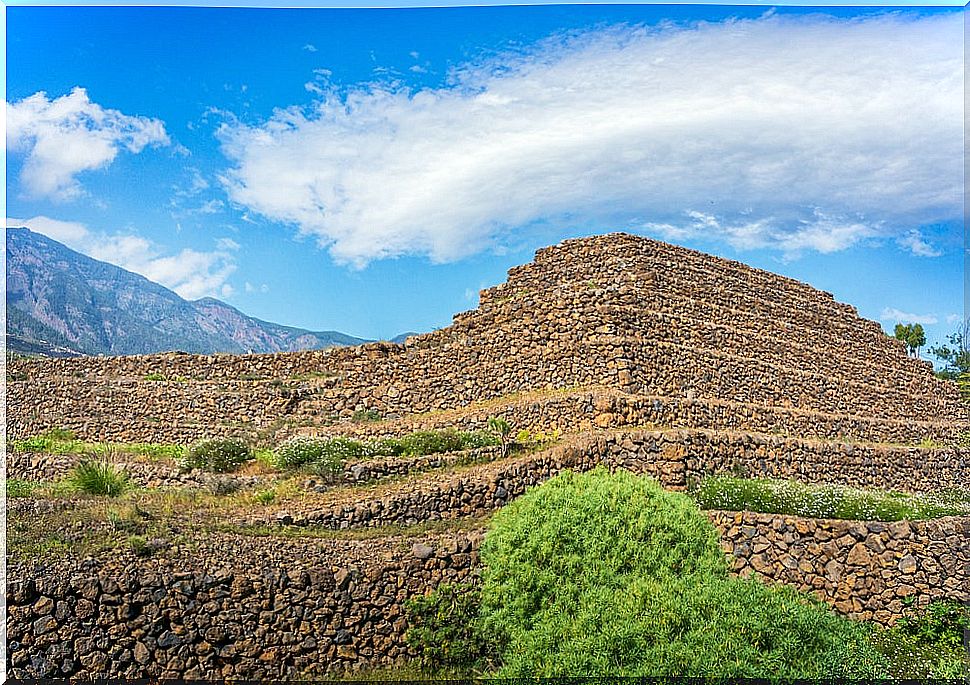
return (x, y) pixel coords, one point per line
(955, 355)
(502, 429)
(912, 335)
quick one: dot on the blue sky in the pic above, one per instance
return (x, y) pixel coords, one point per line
(369, 170)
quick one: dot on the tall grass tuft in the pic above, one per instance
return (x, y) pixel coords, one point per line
(99, 477)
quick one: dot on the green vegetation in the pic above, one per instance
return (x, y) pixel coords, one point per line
(366, 416)
(609, 575)
(502, 430)
(325, 455)
(61, 441)
(20, 488)
(446, 630)
(928, 643)
(155, 377)
(912, 335)
(955, 355)
(218, 455)
(98, 477)
(825, 501)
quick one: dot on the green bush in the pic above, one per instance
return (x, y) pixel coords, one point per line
(471, 440)
(366, 416)
(387, 447)
(601, 574)
(444, 629)
(431, 442)
(51, 441)
(825, 501)
(220, 455)
(20, 488)
(97, 477)
(324, 456)
(928, 644)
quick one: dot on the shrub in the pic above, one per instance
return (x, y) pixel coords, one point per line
(265, 496)
(97, 477)
(155, 376)
(20, 488)
(444, 629)
(387, 447)
(323, 456)
(52, 441)
(61, 434)
(431, 442)
(928, 643)
(471, 440)
(366, 416)
(601, 574)
(825, 501)
(220, 455)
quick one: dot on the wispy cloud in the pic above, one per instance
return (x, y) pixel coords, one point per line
(310, 47)
(821, 233)
(66, 136)
(810, 133)
(190, 273)
(916, 243)
(897, 316)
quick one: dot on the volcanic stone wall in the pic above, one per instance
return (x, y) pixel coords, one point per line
(618, 311)
(674, 458)
(231, 608)
(863, 569)
(277, 608)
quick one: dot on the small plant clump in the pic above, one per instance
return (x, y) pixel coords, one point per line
(20, 488)
(366, 416)
(825, 501)
(928, 643)
(99, 477)
(321, 455)
(220, 455)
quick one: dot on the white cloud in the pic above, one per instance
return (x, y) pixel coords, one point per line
(953, 318)
(68, 135)
(767, 124)
(893, 314)
(310, 47)
(262, 288)
(190, 273)
(821, 233)
(916, 243)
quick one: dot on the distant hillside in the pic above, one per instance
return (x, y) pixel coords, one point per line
(61, 302)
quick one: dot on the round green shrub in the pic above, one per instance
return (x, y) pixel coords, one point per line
(219, 455)
(610, 575)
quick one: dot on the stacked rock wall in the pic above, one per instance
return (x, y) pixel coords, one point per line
(618, 311)
(272, 609)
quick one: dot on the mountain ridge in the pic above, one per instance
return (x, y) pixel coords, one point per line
(61, 302)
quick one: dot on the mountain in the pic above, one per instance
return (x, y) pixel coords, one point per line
(63, 303)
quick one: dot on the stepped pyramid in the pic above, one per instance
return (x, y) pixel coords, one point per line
(677, 337)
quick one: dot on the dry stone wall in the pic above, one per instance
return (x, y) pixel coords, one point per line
(619, 311)
(674, 458)
(865, 570)
(278, 608)
(233, 608)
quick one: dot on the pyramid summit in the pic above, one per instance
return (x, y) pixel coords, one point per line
(677, 337)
